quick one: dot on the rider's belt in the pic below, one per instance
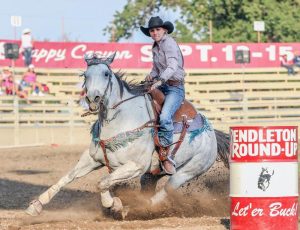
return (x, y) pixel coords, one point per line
(174, 83)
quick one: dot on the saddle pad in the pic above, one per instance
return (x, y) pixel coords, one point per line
(194, 124)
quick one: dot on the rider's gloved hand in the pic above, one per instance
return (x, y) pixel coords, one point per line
(156, 84)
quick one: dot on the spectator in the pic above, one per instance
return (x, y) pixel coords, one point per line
(10, 87)
(6, 72)
(27, 46)
(296, 59)
(288, 64)
(29, 80)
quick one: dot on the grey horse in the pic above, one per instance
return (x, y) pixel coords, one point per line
(122, 141)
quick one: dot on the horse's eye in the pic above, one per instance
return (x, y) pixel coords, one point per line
(106, 74)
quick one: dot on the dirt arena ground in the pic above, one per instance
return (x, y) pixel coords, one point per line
(26, 172)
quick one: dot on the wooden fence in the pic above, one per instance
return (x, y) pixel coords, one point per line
(263, 97)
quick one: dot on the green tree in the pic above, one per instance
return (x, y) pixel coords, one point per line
(231, 20)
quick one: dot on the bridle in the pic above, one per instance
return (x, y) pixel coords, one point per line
(101, 103)
(102, 99)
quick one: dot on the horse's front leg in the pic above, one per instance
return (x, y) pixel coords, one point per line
(125, 172)
(85, 165)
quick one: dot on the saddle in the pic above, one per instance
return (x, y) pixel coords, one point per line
(185, 112)
(186, 109)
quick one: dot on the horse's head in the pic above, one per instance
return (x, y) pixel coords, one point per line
(98, 80)
(264, 171)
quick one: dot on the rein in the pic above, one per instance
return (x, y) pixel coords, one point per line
(121, 102)
(103, 143)
(143, 94)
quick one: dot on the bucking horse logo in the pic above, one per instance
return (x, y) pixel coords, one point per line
(264, 179)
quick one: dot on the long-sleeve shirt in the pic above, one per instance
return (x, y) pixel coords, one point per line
(26, 41)
(167, 60)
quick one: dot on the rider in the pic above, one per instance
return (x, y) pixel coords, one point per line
(168, 74)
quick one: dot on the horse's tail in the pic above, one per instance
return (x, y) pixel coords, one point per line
(223, 143)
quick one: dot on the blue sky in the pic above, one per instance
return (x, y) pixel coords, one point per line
(80, 20)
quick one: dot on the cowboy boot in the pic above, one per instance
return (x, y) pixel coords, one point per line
(168, 164)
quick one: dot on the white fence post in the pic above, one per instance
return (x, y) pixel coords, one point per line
(17, 121)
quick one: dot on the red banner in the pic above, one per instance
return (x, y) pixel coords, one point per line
(254, 144)
(138, 55)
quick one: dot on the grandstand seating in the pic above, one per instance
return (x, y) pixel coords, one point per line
(228, 97)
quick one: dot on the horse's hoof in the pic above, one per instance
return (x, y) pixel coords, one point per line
(118, 211)
(35, 208)
(106, 200)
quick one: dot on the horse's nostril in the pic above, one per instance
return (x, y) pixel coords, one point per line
(97, 99)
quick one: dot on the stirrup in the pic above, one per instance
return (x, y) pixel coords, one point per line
(170, 158)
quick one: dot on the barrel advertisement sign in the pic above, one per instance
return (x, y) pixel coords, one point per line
(264, 177)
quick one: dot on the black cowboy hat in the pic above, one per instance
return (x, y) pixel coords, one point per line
(155, 22)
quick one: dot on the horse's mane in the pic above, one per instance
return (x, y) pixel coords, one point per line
(132, 86)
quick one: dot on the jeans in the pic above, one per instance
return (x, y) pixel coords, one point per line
(290, 69)
(27, 56)
(174, 96)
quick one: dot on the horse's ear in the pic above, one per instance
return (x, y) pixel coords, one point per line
(111, 58)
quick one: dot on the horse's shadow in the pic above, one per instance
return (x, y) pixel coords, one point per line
(16, 195)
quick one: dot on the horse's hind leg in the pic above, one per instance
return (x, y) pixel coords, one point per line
(194, 167)
(85, 165)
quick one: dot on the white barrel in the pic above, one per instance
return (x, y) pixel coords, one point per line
(264, 177)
